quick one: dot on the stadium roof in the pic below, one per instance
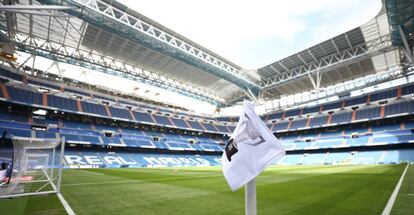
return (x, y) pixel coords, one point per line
(106, 36)
(355, 53)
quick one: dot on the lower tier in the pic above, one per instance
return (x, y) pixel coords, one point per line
(78, 159)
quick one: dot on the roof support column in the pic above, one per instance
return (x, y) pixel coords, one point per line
(407, 51)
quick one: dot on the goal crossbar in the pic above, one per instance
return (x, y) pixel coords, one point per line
(36, 167)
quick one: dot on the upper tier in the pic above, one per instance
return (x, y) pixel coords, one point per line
(382, 104)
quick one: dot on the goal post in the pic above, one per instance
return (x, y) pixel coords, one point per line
(34, 166)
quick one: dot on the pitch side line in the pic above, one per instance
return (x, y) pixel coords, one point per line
(65, 205)
(90, 172)
(390, 203)
(149, 180)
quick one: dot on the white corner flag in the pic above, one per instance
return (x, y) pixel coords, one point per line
(251, 148)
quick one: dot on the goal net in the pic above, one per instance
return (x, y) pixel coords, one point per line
(30, 166)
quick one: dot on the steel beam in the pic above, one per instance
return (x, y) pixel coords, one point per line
(353, 85)
(101, 63)
(336, 60)
(406, 48)
(134, 28)
(10, 19)
(34, 7)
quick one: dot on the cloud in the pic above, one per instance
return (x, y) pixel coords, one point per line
(232, 27)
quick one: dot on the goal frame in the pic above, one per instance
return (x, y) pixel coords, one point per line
(55, 181)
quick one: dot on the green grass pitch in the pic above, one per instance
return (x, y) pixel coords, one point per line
(203, 190)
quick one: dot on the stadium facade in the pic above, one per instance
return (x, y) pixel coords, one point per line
(359, 86)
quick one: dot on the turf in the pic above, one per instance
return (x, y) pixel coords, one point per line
(405, 199)
(203, 190)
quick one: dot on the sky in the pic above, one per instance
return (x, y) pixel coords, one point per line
(255, 33)
(249, 33)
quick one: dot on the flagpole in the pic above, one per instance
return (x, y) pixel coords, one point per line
(250, 197)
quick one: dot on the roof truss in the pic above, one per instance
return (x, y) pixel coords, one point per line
(338, 59)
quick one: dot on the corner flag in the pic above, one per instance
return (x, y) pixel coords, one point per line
(250, 149)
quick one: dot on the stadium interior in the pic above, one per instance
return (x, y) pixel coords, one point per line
(346, 100)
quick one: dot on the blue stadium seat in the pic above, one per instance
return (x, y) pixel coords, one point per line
(329, 142)
(101, 128)
(42, 84)
(45, 121)
(195, 125)
(158, 145)
(386, 127)
(77, 125)
(291, 159)
(331, 133)
(409, 89)
(17, 125)
(309, 136)
(179, 146)
(279, 126)
(269, 125)
(71, 138)
(341, 117)
(359, 130)
(300, 123)
(399, 107)
(16, 132)
(331, 106)
(275, 116)
(131, 143)
(393, 139)
(135, 137)
(26, 96)
(264, 117)
(77, 92)
(93, 108)
(314, 109)
(132, 131)
(222, 128)
(224, 119)
(337, 157)
(143, 117)
(104, 98)
(162, 120)
(358, 141)
(303, 145)
(231, 128)
(209, 127)
(314, 159)
(9, 74)
(111, 140)
(173, 136)
(318, 121)
(390, 157)
(384, 95)
(367, 157)
(208, 147)
(61, 103)
(356, 101)
(45, 134)
(179, 122)
(197, 147)
(294, 112)
(368, 113)
(12, 117)
(120, 113)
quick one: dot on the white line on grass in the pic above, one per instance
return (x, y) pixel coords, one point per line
(65, 205)
(410, 194)
(94, 173)
(132, 181)
(390, 203)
